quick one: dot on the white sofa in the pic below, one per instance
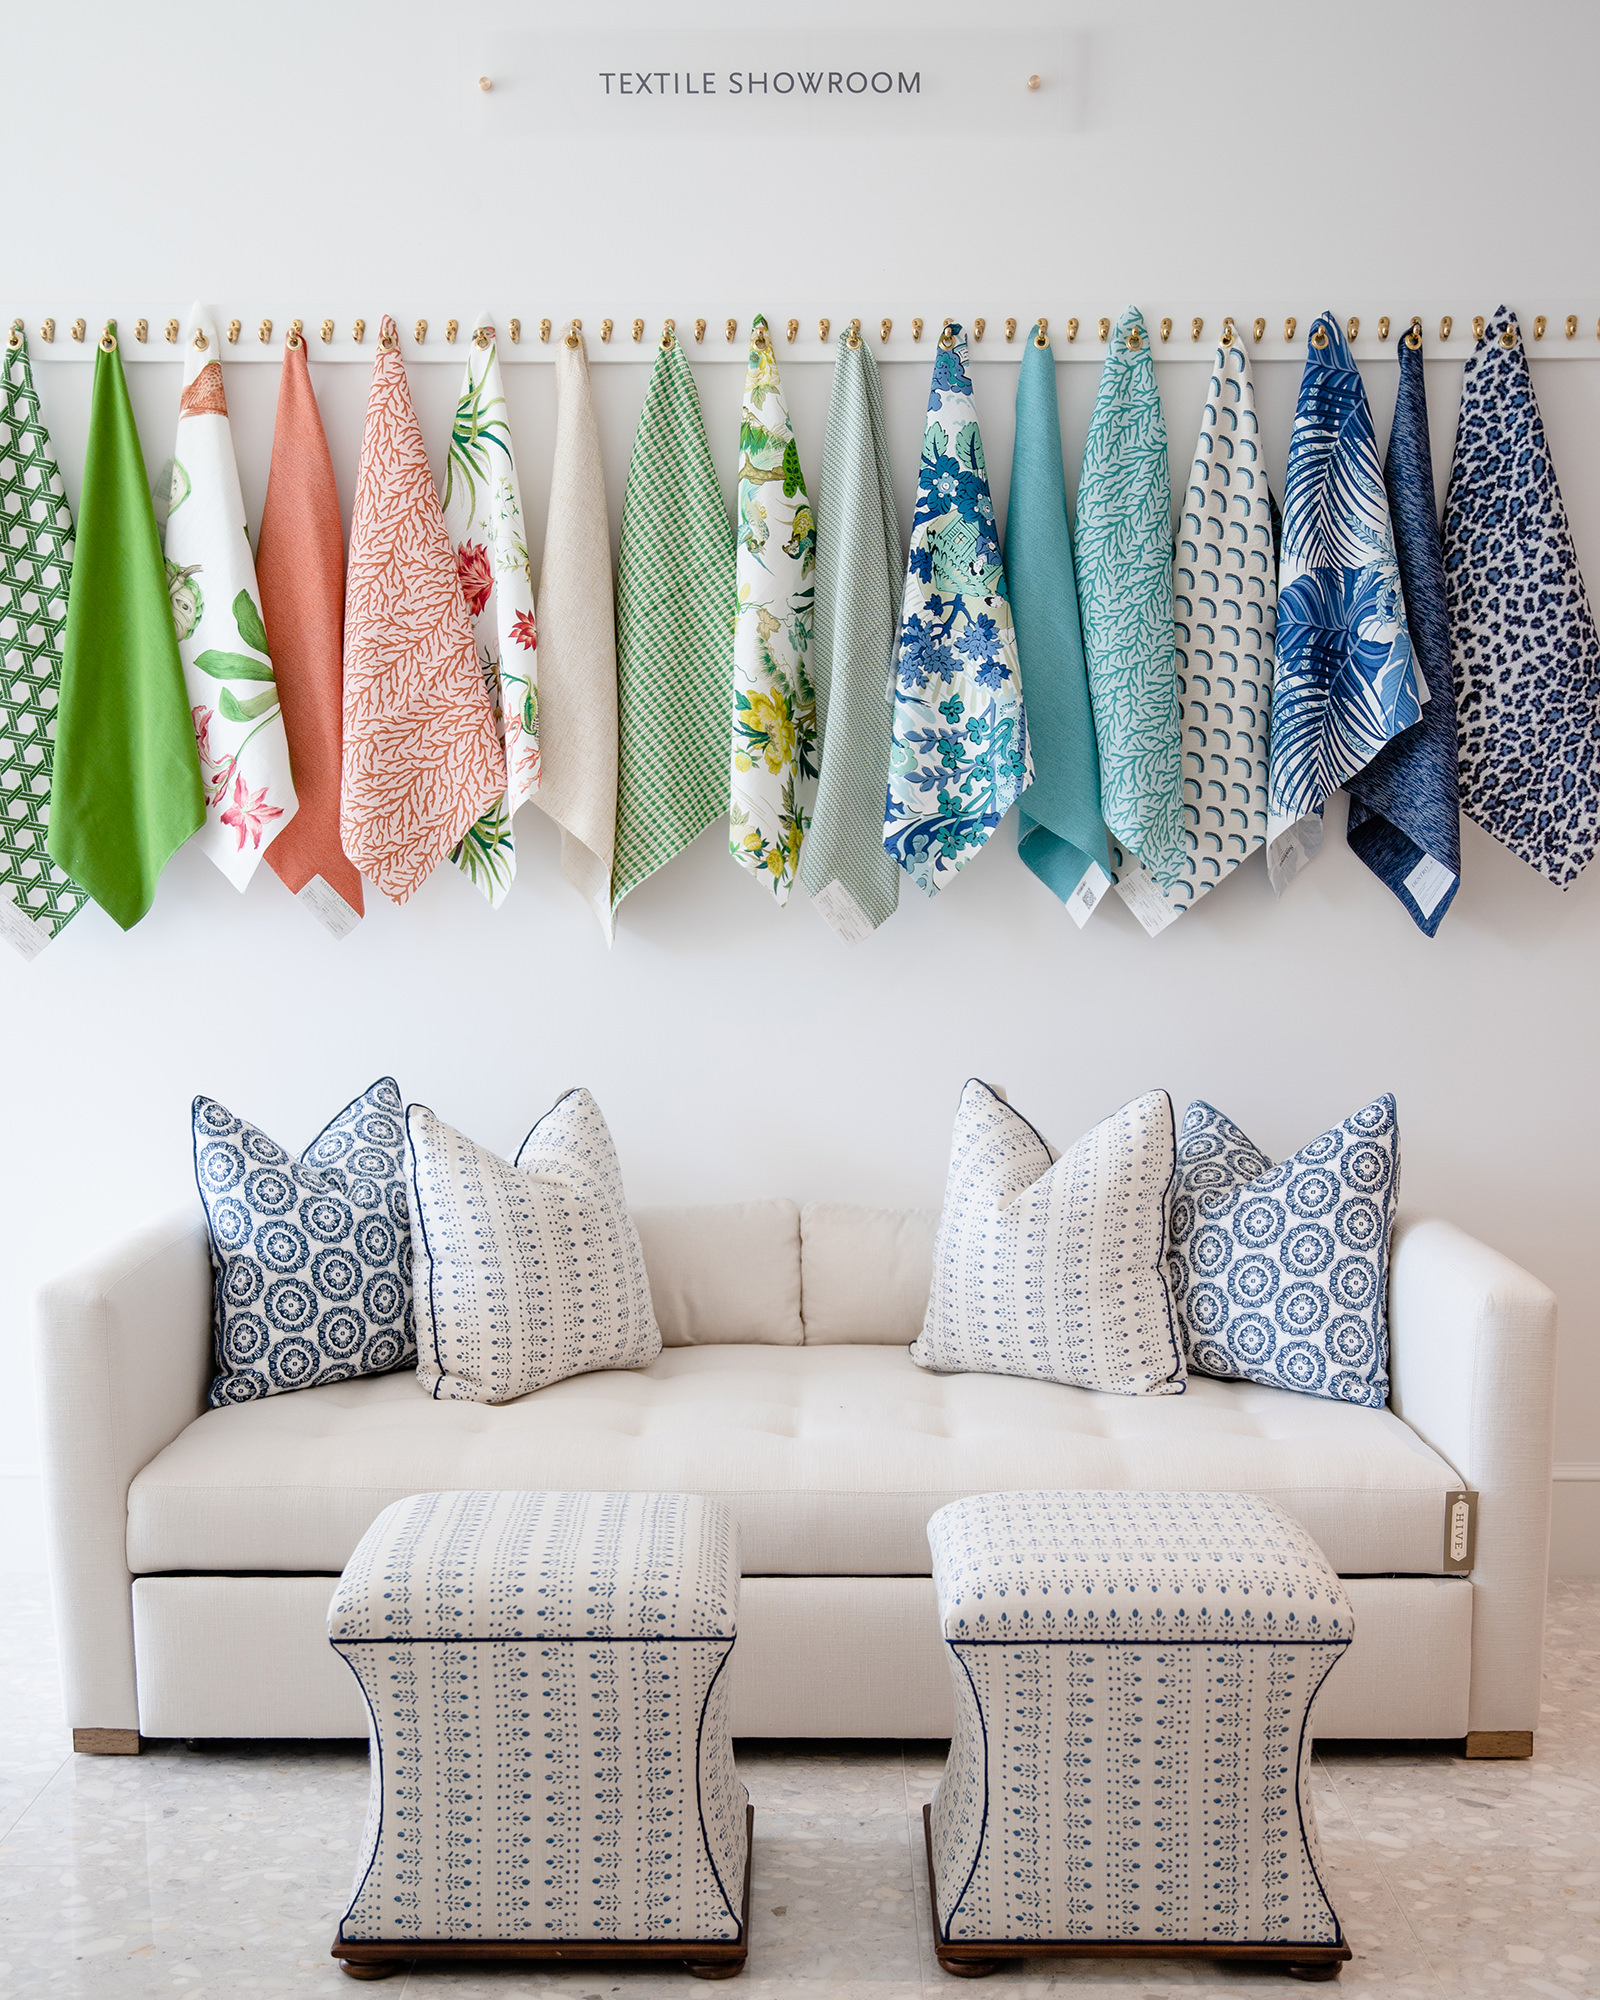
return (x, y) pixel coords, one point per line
(194, 1550)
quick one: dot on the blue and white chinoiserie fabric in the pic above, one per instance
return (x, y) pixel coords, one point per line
(1527, 656)
(1281, 1274)
(1123, 1660)
(1124, 551)
(1405, 816)
(1225, 607)
(311, 1258)
(1347, 680)
(959, 757)
(1060, 834)
(549, 1712)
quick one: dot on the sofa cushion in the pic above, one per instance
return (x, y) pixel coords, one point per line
(864, 1273)
(728, 1272)
(832, 1459)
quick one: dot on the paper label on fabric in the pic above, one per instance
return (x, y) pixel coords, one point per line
(848, 921)
(328, 907)
(24, 933)
(1085, 899)
(1428, 884)
(1139, 890)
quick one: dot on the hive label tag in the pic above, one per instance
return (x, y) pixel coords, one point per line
(328, 907)
(1085, 899)
(1460, 1530)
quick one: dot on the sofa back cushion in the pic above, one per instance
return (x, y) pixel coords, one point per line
(865, 1273)
(727, 1271)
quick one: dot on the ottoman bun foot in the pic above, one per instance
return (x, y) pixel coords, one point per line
(1325, 1970)
(372, 1968)
(968, 1968)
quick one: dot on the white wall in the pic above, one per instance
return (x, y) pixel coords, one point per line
(339, 159)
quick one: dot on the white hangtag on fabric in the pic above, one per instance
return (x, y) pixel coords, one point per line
(1085, 899)
(1429, 883)
(328, 907)
(1138, 890)
(24, 933)
(849, 922)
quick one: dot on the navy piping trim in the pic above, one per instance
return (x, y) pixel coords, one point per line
(1153, 1945)
(699, 1800)
(1180, 1372)
(517, 1161)
(1022, 1640)
(419, 1222)
(1305, 1723)
(546, 1639)
(371, 1087)
(222, 1372)
(983, 1824)
(376, 1741)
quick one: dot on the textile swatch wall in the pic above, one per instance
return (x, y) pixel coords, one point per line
(738, 1048)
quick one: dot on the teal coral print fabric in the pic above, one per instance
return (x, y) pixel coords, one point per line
(1347, 680)
(959, 755)
(36, 897)
(774, 708)
(1125, 592)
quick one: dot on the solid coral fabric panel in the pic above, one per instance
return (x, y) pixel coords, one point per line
(300, 574)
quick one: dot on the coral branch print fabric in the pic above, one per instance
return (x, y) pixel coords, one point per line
(844, 865)
(1225, 603)
(216, 610)
(483, 517)
(1125, 593)
(959, 758)
(300, 569)
(1346, 681)
(578, 645)
(676, 604)
(422, 756)
(774, 706)
(1405, 817)
(1052, 1268)
(1060, 834)
(36, 897)
(1527, 656)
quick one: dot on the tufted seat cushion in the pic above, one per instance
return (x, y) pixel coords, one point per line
(831, 1459)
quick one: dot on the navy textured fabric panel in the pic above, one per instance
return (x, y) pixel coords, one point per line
(1404, 807)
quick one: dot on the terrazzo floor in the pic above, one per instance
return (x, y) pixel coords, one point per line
(195, 1874)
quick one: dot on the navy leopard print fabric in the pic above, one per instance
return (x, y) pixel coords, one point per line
(1523, 639)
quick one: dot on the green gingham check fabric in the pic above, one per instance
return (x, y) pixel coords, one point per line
(35, 565)
(676, 604)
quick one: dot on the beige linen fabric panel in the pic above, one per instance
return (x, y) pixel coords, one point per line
(865, 1273)
(723, 1273)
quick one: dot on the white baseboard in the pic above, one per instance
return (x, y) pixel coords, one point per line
(22, 1524)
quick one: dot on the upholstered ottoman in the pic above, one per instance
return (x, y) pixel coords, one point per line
(552, 1775)
(1134, 1674)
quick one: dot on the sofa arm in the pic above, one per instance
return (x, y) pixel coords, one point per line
(1472, 1369)
(123, 1354)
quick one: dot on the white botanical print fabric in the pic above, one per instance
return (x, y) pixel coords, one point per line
(216, 609)
(483, 517)
(774, 708)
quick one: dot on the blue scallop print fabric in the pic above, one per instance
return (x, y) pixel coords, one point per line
(1405, 818)
(1346, 681)
(1527, 657)
(311, 1258)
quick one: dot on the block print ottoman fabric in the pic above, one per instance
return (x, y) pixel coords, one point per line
(1405, 817)
(422, 757)
(1281, 1274)
(525, 1274)
(1124, 556)
(216, 610)
(844, 866)
(1133, 1676)
(1527, 655)
(483, 518)
(545, 1678)
(36, 898)
(1060, 834)
(959, 758)
(300, 569)
(1346, 680)
(311, 1258)
(774, 756)
(1053, 1268)
(676, 603)
(1225, 608)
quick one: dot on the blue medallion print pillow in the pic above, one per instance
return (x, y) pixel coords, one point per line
(312, 1257)
(1281, 1273)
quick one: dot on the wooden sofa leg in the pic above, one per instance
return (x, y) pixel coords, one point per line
(1499, 1742)
(106, 1742)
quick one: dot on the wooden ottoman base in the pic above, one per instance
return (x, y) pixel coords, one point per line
(976, 1960)
(380, 1960)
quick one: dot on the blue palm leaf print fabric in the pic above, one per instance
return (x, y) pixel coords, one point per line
(1347, 680)
(1522, 635)
(1125, 592)
(959, 756)
(1405, 819)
